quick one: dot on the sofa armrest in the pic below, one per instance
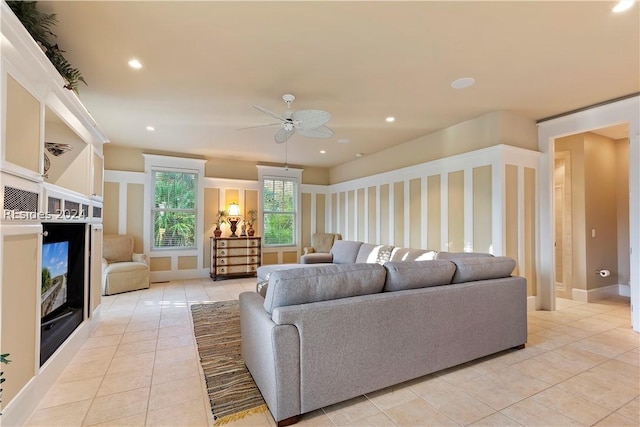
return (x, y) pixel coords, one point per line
(307, 250)
(316, 258)
(272, 355)
(105, 264)
(140, 258)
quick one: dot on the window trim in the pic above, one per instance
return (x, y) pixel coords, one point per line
(153, 162)
(271, 172)
(154, 210)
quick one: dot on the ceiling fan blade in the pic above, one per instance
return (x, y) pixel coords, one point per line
(270, 113)
(261, 126)
(309, 119)
(282, 135)
(319, 132)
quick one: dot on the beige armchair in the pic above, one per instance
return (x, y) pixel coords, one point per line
(321, 244)
(122, 270)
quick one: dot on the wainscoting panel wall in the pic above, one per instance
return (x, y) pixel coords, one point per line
(478, 201)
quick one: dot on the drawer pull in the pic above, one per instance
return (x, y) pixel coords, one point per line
(222, 252)
(221, 261)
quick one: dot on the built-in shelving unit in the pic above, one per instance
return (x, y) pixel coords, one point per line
(51, 177)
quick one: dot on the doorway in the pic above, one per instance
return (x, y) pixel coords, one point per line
(563, 224)
(591, 214)
(624, 110)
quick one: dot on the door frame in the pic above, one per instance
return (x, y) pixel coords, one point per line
(625, 110)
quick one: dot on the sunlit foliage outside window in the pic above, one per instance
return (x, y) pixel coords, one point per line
(174, 210)
(279, 211)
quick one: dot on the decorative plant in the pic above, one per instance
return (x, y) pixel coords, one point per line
(39, 25)
(222, 218)
(253, 216)
(3, 359)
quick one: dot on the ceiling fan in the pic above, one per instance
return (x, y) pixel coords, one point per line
(309, 123)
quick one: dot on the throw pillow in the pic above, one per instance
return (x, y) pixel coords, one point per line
(404, 275)
(482, 268)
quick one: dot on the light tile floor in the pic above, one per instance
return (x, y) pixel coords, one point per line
(140, 367)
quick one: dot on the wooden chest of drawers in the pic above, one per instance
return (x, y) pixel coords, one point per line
(235, 256)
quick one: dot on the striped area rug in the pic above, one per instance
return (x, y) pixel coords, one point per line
(232, 391)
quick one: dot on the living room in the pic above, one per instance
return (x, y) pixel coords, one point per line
(481, 183)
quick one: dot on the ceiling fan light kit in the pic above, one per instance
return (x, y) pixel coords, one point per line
(309, 123)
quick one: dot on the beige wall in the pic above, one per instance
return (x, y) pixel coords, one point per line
(500, 127)
(511, 212)
(482, 199)
(117, 157)
(601, 210)
(135, 215)
(455, 198)
(111, 208)
(434, 210)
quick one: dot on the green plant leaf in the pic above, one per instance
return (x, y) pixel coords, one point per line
(40, 25)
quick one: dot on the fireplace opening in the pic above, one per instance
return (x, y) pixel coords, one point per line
(62, 291)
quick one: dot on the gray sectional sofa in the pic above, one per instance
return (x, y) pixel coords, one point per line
(329, 333)
(350, 252)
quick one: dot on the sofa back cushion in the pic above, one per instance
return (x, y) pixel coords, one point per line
(456, 255)
(322, 242)
(469, 269)
(370, 253)
(345, 251)
(406, 254)
(403, 275)
(322, 283)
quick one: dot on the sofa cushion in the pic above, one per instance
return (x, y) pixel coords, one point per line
(403, 275)
(452, 255)
(406, 254)
(469, 269)
(264, 271)
(315, 258)
(345, 251)
(370, 253)
(322, 283)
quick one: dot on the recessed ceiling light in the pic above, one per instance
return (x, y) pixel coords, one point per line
(390, 119)
(622, 6)
(359, 154)
(463, 83)
(135, 64)
(150, 128)
(323, 152)
(343, 141)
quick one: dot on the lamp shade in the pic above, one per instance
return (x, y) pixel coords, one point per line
(234, 209)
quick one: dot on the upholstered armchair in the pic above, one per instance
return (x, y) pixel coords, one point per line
(321, 244)
(122, 270)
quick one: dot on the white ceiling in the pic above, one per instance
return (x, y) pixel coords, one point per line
(206, 63)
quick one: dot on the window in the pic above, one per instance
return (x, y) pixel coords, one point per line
(174, 209)
(279, 203)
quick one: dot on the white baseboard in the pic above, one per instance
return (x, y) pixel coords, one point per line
(166, 276)
(624, 291)
(531, 303)
(600, 293)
